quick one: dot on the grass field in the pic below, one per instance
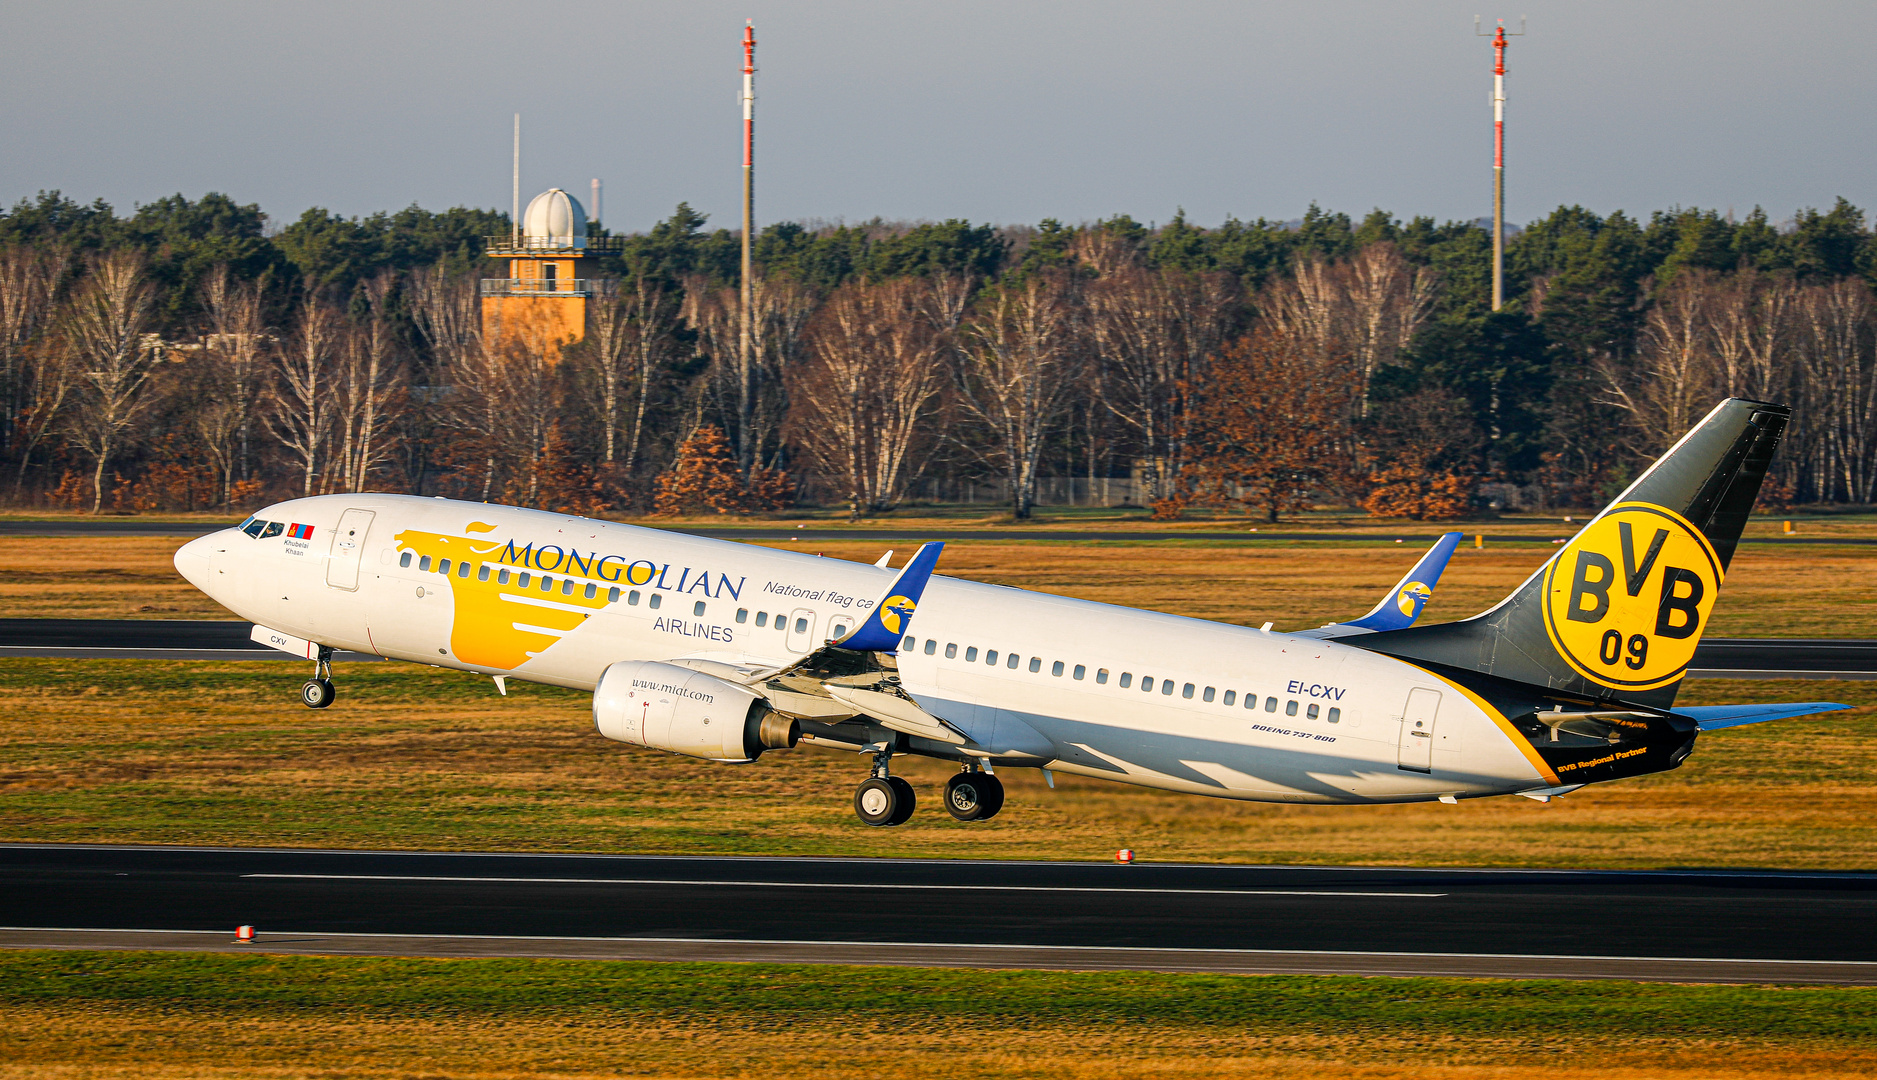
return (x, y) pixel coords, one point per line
(144, 751)
(1771, 591)
(154, 1015)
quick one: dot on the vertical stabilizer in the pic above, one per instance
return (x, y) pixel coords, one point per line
(1617, 612)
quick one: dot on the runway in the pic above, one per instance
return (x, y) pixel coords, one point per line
(189, 529)
(1678, 926)
(175, 639)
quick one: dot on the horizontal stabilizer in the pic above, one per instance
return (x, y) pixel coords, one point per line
(1715, 717)
(887, 623)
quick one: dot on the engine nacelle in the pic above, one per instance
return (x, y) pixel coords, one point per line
(667, 707)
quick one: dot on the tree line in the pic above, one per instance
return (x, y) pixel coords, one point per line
(188, 356)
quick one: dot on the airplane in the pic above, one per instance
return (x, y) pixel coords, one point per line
(723, 651)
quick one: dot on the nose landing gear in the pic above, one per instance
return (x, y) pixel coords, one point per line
(974, 795)
(318, 691)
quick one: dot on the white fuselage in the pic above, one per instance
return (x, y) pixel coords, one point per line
(1118, 693)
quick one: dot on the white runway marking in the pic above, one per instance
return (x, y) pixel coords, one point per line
(837, 885)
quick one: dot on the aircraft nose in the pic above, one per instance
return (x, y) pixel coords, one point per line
(193, 559)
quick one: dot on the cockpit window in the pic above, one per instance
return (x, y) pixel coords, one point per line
(253, 527)
(274, 528)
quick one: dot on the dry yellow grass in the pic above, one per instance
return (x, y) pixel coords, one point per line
(1771, 592)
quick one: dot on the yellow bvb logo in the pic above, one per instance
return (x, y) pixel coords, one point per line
(895, 608)
(1627, 599)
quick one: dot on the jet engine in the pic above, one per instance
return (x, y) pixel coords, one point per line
(674, 708)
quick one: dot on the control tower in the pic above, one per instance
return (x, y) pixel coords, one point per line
(544, 296)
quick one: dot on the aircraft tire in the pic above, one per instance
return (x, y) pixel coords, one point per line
(974, 796)
(908, 800)
(317, 693)
(877, 801)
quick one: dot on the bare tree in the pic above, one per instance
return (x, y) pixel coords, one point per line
(301, 416)
(1019, 360)
(231, 377)
(630, 342)
(863, 400)
(1839, 371)
(1366, 308)
(29, 283)
(750, 402)
(1675, 375)
(105, 330)
(368, 385)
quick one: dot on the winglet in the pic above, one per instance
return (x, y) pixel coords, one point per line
(883, 628)
(1404, 602)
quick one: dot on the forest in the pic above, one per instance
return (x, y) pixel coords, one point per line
(194, 355)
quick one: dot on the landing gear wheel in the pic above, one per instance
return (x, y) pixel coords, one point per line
(907, 800)
(317, 693)
(974, 796)
(879, 801)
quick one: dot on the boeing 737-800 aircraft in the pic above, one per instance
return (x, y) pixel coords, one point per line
(721, 650)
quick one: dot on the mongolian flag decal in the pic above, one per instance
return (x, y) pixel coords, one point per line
(300, 532)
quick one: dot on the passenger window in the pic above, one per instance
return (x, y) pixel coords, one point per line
(655, 601)
(274, 528)
(1187, 692)
(1147, 684)
(1270, 704)
(742, 614)
(1036, 663)
(931, 645)
(1231, 697)
(801, 626)
(522, 579)
(697, 608)
(462, 569)
(501, 577)
(404, 559)
(971, 655)
(1080, 671)
(482, 572)
(762, 618)
(1011, 662)
(839, 631)
(904, 646)
(990, 657)
(1127, 677)
(1290, 708)
(1166, 687)
(1311, 713)
(424, 563)
(951, 650)
(547, 583)
(443, 567)
(1207, 696)
(567, 586)
(1336, 715)
(1101, 675)
(1056, 669)
(632, 598)
(612, 595)
(1251, 701)
(592, 590)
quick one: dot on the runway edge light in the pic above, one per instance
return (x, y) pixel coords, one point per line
(244, 934)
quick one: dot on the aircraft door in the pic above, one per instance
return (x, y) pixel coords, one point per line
(348, 540)
(801, 635)
(1417, 730)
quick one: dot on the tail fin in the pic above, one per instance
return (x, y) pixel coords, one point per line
(1617, 613)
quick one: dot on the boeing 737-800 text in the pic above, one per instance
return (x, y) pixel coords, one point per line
(721, 650)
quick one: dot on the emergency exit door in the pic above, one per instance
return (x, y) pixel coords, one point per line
(348, 541)
(1417, 730)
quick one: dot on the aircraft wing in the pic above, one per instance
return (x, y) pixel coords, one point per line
(1715, 717)
(1401, 605)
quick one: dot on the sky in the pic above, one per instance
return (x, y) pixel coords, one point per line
(989, 110)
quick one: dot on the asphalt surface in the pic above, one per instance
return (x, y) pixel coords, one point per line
(184, 529)
(1708, 926)
(1739, 658)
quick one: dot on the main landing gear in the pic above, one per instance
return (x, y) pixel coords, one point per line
(318, 691)
(883, 799)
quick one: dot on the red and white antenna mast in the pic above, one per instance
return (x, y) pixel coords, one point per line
(1498, 156)
(746, 339)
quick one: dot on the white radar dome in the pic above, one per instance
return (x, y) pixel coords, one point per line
(555, 219)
